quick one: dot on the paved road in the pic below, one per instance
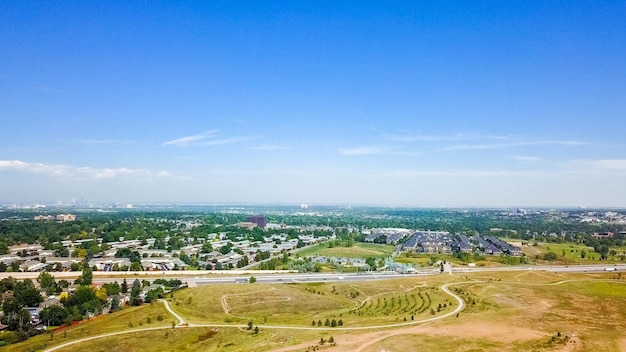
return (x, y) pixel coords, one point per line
(204, 277)
(194, 278)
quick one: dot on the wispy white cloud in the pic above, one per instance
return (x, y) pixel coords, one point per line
(59, 170)
(364, 150)
(212, 137)
(599, 165)
(187, 140)
(229, 140)
(99, 173)
(34, 168)
(513, 145)
(410, 137)
(526, 159)
(270, 147)
(462, 173)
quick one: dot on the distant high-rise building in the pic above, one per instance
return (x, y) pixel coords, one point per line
(260, 221)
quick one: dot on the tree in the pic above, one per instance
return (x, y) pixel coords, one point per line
(250, 324)
(112, 288)
(115, 303)
(135, 300)
(46, 281)
(226, 249)
(154, 294)
(86, 278)
(206, 248)
(551, 256)
(136, 266)
(252, 279)
(53, 315)
(74, 267)
(242, 262)
(62, 252)
(26, 295)
(124, 286)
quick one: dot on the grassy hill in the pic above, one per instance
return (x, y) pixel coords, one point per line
(507, 311)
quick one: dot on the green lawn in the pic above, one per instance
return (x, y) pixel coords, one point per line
(570, 253)
(359, 250)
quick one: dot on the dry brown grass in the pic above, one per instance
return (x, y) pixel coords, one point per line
(515, 311)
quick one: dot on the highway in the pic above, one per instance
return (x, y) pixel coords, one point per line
(352, 277)
(195, 278)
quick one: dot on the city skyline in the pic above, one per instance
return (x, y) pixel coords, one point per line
(390, 103)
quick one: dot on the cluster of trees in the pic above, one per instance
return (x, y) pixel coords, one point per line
(85, 301)
(328, 322)
(275, 263)
(16, 316)
(304, 265)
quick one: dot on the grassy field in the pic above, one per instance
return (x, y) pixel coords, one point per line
(196, 339)
(528, 316)
(362, 304)
(359, 250)
(506, 311)
(127, 319)
(571, 253)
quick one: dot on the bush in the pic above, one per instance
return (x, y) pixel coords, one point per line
(551, 256)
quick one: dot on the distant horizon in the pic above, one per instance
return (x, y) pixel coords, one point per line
(135, 205)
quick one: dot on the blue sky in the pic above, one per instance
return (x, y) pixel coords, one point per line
(495, 103)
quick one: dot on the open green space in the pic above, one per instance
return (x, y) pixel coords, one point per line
(506, 311)
(358, 250)
(146, 316)
(572, 253)
(361, 304)
(195, 339)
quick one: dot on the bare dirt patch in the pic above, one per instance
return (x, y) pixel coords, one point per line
(622, 344)
(503, 300)
(369, 341)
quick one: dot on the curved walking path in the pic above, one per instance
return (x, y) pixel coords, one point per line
(182, 323)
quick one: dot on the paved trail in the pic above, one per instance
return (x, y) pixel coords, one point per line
(181, 321)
